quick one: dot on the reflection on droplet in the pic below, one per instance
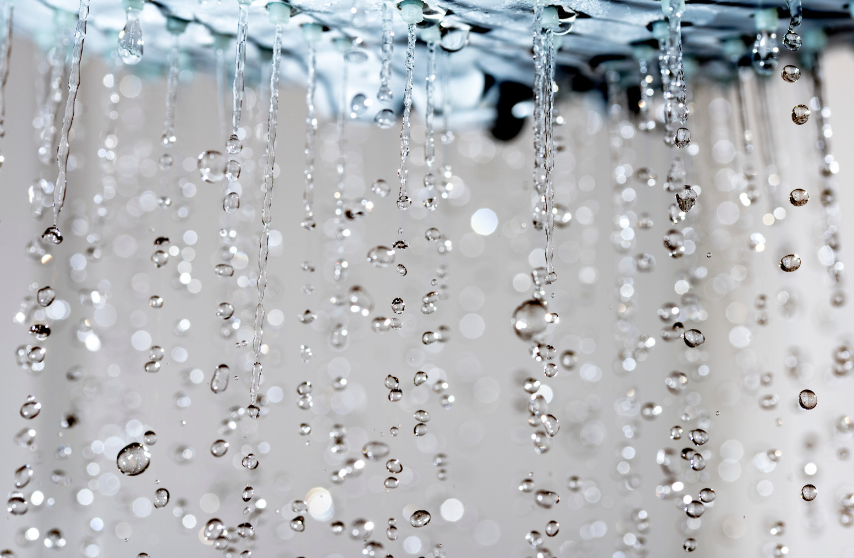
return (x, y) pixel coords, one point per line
(133, 459)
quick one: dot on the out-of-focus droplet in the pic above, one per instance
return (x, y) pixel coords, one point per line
(211, 165)
(790, 263)
(791, 73)
(219, 448)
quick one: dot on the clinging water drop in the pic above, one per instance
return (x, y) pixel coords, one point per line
(130, 38)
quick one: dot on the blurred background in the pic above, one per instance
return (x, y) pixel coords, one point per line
(612, 477)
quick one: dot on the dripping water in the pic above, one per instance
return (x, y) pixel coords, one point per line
(5, 53)
(168, 138)
(310, 131)
(266, 214)
(384, 94)
(403, 201)
(430, 140)
(52, 234)
(56, 58)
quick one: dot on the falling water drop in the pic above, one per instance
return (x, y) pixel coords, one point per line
(31, 408)
(799, 197)
(224, 310)
(161, 498)
(211, 165)
(419, 518)
(807, 399)
(790, 263)
(385, 94)
(219, 381)
(800, 114)
(809, 492)
(133, 459)
(231, 202)
(384, 119)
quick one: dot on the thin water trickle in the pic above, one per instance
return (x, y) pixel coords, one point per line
(403, 200)
(385, 94)
(52, 234)
(311, 33)
(5, 53)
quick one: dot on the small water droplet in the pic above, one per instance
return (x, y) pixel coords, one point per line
(161, 498)
(250, 462)
(52, 235)
(790, 263)
(380, 187)
(800, 114)
(150, 438)
(809, 492)
(683, 137)
(807, 399)
(231, 202)
(791, 73)
(155, 302)
(219, 448)
(224, 270)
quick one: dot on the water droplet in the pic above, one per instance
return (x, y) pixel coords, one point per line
(707, 495)
(401, 270)
(133, 459)
(546, 499)
(791, 73)
(165, 162)
(160, 258)
(552, 528)
(809, 492)
(375, 451)
(693, 337)
(432, 234)
(161, 497)
(233, 145)
(534, 539)
(224, 270)
(698, 462)
(551, 425)
(130, 43)
(683, 137)
(676, 433)
(420, 378)
(16, 504)
(807, 399)
(800, 114)
(645, 262)
(699, 436)
(219, 448)
(799, 197)
(219, 381)
(211, 165)
(792, 40)
(250, 462)
(231, 202)
(380, 187)
(385, 119)
(420, 429)
(790, 263)
(46, 296)
(150, 438)
(695, 509)
(155, 302)
(232, 170)
(529, 319)
(420, 518)
(40, 331)
(224, 310)
(381, 256)
(404, 203)
(686, 198)
(690, 545)
(52, 235)
(31, 408)
(246, 530)
(23, 475)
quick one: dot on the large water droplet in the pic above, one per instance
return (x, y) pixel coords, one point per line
(211, 165)
(133, 459)
(419, 518)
